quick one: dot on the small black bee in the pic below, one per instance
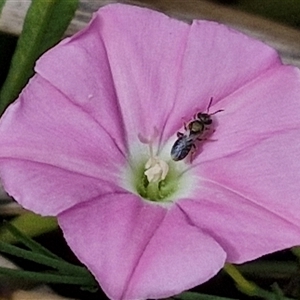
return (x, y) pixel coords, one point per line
(194, 130)
(183, 145)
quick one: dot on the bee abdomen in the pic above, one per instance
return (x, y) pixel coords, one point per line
(180, 149)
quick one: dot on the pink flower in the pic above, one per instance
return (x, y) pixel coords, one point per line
(105, 107)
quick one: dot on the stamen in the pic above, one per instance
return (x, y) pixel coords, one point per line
(156, 169)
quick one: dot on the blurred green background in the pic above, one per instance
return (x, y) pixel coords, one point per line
(283, 11)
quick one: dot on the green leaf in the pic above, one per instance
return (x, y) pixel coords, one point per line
(63, 271)
(58, 264)
(44, 25)
(2, 3)
(28, 242)
(62, 15)
(32, 225)
(48, 278)
(197, 296)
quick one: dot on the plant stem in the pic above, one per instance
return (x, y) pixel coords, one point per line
(247, 287)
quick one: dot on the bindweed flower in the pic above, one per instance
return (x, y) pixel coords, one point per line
(89, 141)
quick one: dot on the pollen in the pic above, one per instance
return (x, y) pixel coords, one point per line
(156, 169)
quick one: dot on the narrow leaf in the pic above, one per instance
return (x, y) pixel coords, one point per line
(48, 278)
(197, 296)
(62, 266)
(44, 25)
(32, 225)
(62, 15)
(28, 242)
(2, 3)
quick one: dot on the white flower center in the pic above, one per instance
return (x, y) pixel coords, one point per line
(156, 169)
(154, 175)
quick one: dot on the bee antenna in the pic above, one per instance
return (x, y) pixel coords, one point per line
(216, 112)
(209, 104)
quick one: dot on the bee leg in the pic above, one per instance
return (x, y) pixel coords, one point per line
(206, 139)
(208, 132)
(184, 123)
(185, 126)
(210, 129)
(193, 150)
(179, 134)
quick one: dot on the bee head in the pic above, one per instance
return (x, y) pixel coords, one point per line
(204, 118)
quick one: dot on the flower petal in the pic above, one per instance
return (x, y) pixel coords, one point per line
(79, 68)
(139, 87)
(114, 53)
(217, 62)
(49, 190)
(178, 257)
(263, 108)
(146, 80)
(143, 251)
(249, 201)
(47, 144)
